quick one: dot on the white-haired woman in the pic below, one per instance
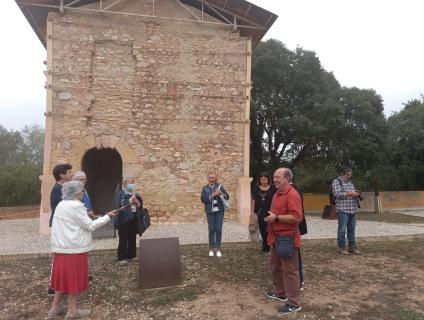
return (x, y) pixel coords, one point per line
(70, 242)
(126, 222)
(82, 177)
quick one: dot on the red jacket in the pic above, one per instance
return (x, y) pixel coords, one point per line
(282, 204)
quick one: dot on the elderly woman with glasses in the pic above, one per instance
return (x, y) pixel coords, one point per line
(70, 242)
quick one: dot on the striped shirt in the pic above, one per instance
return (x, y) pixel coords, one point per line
(344, 203)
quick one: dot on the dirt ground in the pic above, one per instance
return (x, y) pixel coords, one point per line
(387, 283)
(21, 212)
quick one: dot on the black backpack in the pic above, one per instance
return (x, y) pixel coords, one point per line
(303, 229)
(331, 196)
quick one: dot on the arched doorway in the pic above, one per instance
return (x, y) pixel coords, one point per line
(103, 168)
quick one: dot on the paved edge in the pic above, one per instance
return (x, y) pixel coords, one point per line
(332, 241)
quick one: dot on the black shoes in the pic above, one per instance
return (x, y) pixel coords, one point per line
(289, 309)
(273, 296)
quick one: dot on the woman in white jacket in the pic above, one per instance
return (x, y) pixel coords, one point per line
(70, 242)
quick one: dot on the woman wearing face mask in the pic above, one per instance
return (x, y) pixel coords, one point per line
(70, 242)
(125, 221)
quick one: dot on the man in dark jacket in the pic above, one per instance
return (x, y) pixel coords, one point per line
(62, 173)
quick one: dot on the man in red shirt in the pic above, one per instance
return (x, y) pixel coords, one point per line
(284, 216)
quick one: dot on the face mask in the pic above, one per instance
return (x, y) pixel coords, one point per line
(130, 187)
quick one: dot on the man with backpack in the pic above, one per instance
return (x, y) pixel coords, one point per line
(346, 198)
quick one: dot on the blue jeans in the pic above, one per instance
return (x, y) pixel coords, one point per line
(346, 221)
(215, 221)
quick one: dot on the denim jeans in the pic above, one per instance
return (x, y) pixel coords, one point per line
(215, 221)
(346, 221)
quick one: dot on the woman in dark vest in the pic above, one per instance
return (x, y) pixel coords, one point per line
(262, 198)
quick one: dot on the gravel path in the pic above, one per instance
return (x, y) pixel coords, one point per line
(415, 213)
(21, 236)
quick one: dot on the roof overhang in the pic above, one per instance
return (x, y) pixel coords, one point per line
(251, 20)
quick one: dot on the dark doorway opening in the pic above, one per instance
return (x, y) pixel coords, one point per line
(103, 168)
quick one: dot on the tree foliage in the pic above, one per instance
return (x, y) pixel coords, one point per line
(407, 144)
(21, 158)
(303, 119)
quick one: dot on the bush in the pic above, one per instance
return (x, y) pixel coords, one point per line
(19, 184)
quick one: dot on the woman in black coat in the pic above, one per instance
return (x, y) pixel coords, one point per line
(262, 198)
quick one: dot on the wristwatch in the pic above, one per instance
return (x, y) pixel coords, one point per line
(276, 219)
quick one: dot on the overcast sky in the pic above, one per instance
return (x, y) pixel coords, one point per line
(367, 44)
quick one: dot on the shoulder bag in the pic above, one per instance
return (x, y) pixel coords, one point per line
(225, 202)
(284, 244)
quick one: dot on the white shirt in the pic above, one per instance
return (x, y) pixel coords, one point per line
(72, 227)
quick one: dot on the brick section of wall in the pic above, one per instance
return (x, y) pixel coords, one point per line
(174, 91)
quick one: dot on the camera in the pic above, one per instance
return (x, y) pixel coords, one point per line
(360, 196)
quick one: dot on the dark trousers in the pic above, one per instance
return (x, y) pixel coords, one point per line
(127, 234)
(263, 228)
(299, 263)
(285, 277)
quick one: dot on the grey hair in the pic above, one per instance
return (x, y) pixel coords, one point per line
(126, 178)
(79, 174)
(288, 173)
(70, 189)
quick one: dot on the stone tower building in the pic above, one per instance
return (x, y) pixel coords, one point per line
(155, 89)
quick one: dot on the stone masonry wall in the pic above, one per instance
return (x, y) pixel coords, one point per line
(172, 91)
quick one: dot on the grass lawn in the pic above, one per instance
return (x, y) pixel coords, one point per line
(385, 283)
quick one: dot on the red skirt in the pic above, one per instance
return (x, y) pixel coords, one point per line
(70, 273)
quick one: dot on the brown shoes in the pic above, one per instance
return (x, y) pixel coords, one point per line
(343, 250)
(354, 250)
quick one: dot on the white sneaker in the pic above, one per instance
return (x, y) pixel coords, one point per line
(122, 263)
(219, 254)
(211, 254)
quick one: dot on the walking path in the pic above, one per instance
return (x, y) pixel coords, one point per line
(21, 236)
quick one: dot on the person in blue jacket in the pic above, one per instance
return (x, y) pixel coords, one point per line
(214, 209)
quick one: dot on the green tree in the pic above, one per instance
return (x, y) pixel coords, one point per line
(294, 106)
(33, 144)
(407, 144)
(362, 142)
(11, 143)
(21, 158)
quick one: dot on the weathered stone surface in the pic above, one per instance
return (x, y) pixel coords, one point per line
(168, 95)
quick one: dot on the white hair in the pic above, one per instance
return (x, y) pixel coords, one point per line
(70, 189)
(79, 174)
(126, 178)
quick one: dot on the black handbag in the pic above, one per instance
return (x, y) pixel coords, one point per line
(143, 221)
(284, 245)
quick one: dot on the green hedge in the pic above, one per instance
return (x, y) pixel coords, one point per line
(20, 185)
